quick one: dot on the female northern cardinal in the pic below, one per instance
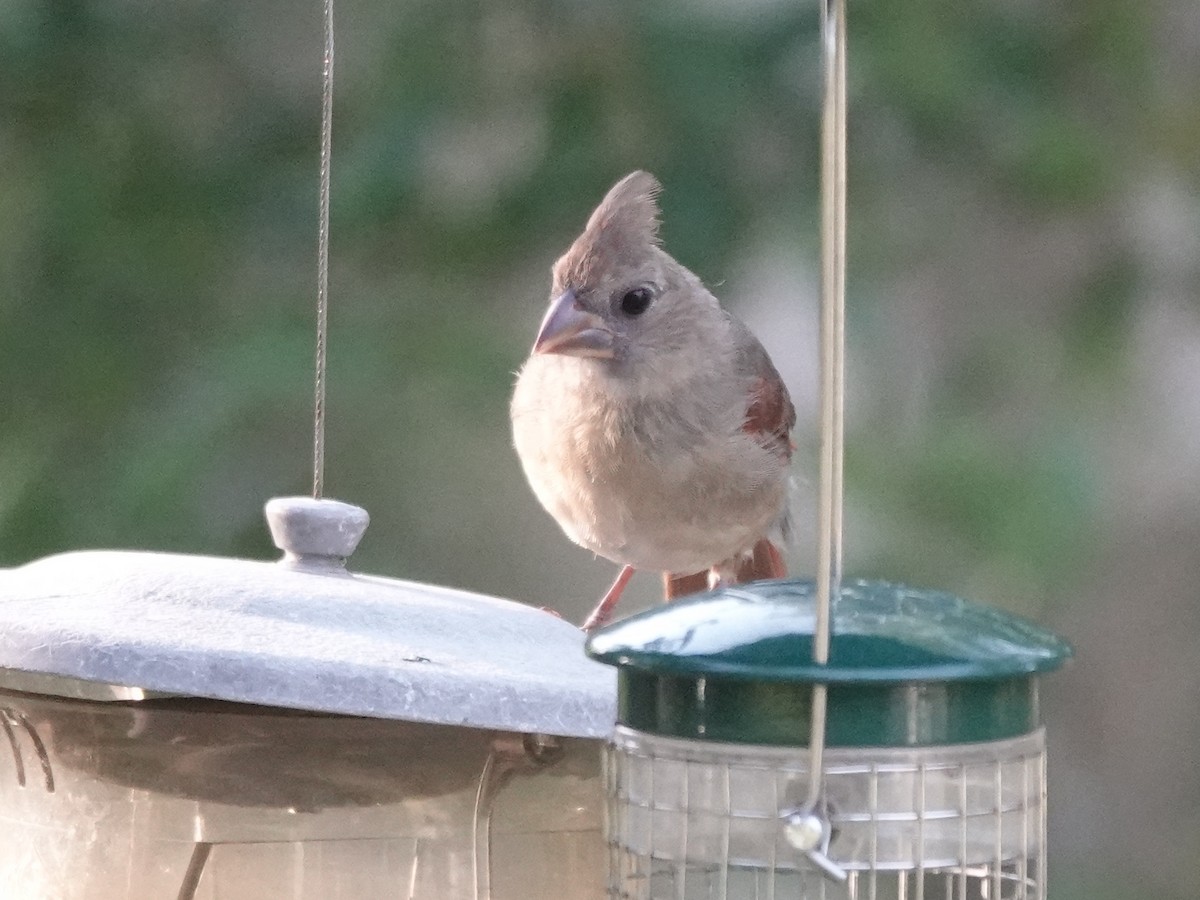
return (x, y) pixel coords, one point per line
(651, 423)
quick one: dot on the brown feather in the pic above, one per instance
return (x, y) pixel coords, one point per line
(770, 415)
(769, 412)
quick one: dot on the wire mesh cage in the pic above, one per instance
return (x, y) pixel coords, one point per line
(934, 782)
(935, 822)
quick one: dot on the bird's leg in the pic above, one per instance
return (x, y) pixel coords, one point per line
(604, 609)
(676, 586)
(763, 561)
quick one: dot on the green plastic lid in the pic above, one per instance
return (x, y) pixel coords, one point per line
(906, 667)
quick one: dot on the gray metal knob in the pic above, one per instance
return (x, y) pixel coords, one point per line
(317, 534)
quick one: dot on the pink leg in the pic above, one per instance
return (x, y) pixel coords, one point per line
(604, 609)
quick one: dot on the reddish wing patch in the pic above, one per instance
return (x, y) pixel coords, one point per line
(770, 415)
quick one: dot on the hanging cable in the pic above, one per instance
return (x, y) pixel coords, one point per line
(832, 353)
(323, 258)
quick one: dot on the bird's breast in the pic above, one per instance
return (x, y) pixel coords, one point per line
(668, 482)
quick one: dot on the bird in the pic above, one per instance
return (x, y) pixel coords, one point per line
(651, 423)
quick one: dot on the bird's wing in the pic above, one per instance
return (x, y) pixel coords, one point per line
(769, 411)
(770, 417)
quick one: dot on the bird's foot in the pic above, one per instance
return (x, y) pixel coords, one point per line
(722, 575)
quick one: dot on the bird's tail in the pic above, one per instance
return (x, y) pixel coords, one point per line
(763, 561)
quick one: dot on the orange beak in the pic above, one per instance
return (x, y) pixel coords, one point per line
(573, 331)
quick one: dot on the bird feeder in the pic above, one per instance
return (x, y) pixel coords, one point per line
(192, 727)
(934, 770)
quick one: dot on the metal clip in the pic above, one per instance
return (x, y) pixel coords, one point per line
(808, 831)
(10, 720)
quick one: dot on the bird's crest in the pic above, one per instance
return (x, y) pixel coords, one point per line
(629, 210)
(623, 226)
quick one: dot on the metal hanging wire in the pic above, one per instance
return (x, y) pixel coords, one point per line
(203, 850)
(833, 339)
(323, 257)
(808, 827)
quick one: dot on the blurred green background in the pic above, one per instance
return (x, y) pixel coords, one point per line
(1024, 331)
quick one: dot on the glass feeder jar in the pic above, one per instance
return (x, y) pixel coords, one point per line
(934, 765)
(205, 729)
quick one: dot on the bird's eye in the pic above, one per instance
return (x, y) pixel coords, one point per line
(636, 302)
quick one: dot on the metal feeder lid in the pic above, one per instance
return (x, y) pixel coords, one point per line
(905, 666)
(303, 633)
